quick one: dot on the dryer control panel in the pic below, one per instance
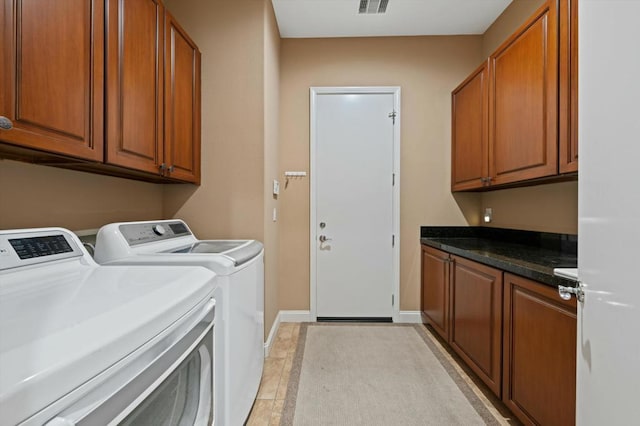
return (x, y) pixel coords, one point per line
(149, 232)
(27, 248)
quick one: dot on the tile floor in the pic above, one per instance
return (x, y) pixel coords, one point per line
(275, 377)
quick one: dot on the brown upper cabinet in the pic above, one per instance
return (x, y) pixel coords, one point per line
(135, 81)
(530, 126)
(51, 76)
(181, 104)
(469, 130)
(118, 84)
(523, 96)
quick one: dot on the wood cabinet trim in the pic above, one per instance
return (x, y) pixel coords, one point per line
(568, 96)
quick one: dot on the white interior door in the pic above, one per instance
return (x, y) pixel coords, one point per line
(608, 347)
(354, 195)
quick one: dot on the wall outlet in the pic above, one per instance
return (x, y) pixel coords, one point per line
(276, 187)
(488, 215)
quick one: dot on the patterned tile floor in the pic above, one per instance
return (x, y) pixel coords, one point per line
(268, 406)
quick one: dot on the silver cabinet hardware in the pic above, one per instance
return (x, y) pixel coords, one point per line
(5, 123)
(171, 168)
(485, 180)
(566, 292)
(322, 225)
(323, 238)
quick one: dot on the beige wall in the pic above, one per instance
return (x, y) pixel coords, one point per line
(550, 207)
(33, 196)
(271, 151)
(512, 17)
(239, 42)
(427, 69)
(229, 202)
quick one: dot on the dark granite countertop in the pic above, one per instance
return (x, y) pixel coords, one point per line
(530, 254)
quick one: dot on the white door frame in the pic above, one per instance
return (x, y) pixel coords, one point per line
(314, 92)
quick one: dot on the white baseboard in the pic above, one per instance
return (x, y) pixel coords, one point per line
(272, 335)
(411, 317)
(284, 316)
(295, 316)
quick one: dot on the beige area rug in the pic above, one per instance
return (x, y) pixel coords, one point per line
(377, 374)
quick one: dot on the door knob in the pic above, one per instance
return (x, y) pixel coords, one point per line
(323, 238)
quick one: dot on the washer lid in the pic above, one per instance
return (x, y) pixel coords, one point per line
(239, 251)
(59, 330)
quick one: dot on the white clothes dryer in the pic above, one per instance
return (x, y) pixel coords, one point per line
(86, 344)
(239, 266)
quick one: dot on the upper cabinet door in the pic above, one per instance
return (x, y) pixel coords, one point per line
(51, 75)
(135, 84)
(523, 96)
(182, 104)
(469, 136)
(568, 111)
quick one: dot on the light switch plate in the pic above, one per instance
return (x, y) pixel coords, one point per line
(276, 187)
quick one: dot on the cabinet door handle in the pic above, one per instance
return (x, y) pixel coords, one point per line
(171, 168)
(5, 123)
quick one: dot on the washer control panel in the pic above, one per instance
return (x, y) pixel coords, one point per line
(142, 233)
(29, 248)
(159, 229)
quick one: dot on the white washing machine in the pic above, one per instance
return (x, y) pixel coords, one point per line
(239, 266)
(86, 344)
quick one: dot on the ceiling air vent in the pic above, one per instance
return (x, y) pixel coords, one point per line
(373, 6)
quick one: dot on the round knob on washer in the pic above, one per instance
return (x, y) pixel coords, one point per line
(159, 229)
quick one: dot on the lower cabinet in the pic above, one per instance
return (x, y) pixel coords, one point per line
(539, 352)
(517, 335)
(434, 291)
(476, 319)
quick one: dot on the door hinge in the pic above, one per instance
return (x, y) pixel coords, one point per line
(393, 300)
(567, 292)
(392, 115)
(393, 240)
(393, 179)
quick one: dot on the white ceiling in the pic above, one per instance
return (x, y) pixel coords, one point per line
(340, 18)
